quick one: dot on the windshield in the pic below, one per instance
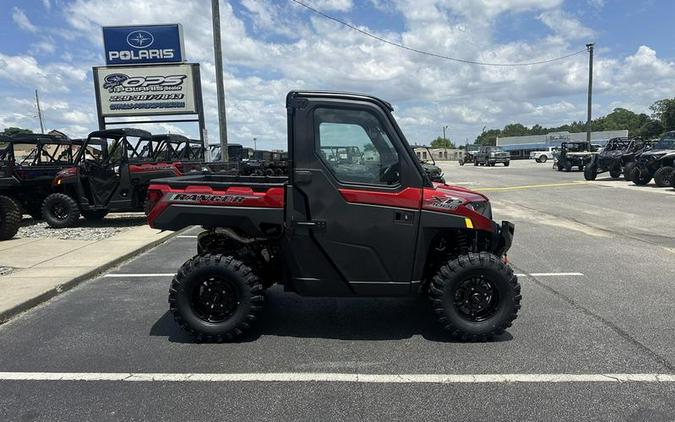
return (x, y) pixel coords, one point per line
(495, 149)
(667, 142)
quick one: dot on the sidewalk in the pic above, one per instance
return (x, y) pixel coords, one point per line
(43, 268)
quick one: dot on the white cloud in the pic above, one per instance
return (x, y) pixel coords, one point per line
(566, 26)
(21, 20)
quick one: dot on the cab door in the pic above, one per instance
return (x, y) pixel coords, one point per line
(353, 202)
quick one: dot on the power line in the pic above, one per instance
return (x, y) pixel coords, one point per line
(428, 53)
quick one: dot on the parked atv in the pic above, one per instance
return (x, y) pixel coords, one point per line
(111, 173)
(613, 157)
(337, 227)
(433, 171)
(574, 154)
(28, 164)
(468, 154)
(633, 154)
(658, 163)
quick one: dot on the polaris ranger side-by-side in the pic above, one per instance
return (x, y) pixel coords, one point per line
(376, 227)
(28, 163)
(111, 173)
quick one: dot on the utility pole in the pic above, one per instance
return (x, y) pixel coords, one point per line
(255, 145)
(589, 46)
(220, 86)
(444, 127)
(37, 101)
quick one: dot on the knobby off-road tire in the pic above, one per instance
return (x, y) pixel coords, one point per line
(475, 296)
(60, 211)
(590, 172)
(95, 215)
(662, 176)
(542, 159)
(216, 298)
(10, 217)
(638, 178)
(507, 163)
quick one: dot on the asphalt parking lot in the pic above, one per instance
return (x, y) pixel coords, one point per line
(597, 265)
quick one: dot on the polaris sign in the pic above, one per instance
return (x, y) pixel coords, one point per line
(148, 44)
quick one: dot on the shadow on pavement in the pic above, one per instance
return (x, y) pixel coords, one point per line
(374, 319)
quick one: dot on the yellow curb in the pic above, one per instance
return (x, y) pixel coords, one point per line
(543, 185)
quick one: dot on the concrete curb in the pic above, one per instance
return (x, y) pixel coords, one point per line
(5, 316)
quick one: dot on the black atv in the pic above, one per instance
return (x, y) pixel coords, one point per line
(28, 164)
(618, 153)
(431, 169)
(630, 157)
(658, 163)
(469, 153)
(574, 154)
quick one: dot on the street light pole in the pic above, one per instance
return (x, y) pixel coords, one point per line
(255, 145)
(589, 46)
(220, 85)
(444, 127)
(39, 110)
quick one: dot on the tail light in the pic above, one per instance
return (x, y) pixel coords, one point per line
(153, 197)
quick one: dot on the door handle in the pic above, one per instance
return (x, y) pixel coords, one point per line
(403, 217)
(302, 176)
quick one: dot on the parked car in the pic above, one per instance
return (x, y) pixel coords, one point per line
(490, 155)
(337, 227)
(657, 163)
(543, 155)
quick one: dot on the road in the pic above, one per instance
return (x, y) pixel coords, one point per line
(598, 265)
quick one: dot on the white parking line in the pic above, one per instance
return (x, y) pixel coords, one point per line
(338, 377)
(551, 274)
(186, 236)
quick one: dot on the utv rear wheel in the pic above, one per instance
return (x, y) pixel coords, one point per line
(10, 217)
(475, 296)
(590, 172)
(94, 215)
(60, 211)
(639, 178)
(215, 297)
(662, 176)
(507, 163)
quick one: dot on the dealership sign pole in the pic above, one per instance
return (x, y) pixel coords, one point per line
(146, 75)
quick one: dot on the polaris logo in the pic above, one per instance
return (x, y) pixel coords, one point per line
(135, 55)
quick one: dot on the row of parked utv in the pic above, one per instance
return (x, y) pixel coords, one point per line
(58, 179)
(637, 160)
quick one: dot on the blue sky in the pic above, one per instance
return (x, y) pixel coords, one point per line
(272, 47)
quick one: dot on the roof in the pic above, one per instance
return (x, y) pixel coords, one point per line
(120, 133)
(337, 95)
(36, 138)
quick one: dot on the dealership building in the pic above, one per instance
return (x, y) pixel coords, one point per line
(521, 146)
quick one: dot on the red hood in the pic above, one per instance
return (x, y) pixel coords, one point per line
(460, 191)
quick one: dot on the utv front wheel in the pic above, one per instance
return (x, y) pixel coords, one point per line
(640, 178)
(60, 211)
(615, 173)
(662, 176)
(590, 172)
(10, 217)
(475, 296)
(215, 297)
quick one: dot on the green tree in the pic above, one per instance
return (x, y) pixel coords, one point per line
(651, 129)
(12, 131)
(664, 110)
(441, 142)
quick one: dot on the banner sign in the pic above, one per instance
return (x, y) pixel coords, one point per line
(147, 90)
(147, 44)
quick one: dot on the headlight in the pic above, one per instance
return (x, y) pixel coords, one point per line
(483, 208)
